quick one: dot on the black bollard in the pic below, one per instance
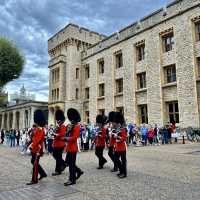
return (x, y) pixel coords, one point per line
(183, 139)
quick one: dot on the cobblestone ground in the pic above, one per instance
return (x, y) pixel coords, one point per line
(157, 172)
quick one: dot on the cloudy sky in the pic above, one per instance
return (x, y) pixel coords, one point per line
(29, 23)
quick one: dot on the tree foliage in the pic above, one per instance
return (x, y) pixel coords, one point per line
(11, 62)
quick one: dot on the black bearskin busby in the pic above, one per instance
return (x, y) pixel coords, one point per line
(101, 119)
(39, 118)
(59, 116)
(73, 115)
(111, 116)
(119, 118)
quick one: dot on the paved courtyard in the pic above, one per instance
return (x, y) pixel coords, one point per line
(158, 172)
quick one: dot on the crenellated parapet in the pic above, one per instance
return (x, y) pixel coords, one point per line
(72, 35)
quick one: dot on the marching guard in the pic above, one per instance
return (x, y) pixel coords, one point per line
(120, 146)
(58, 143)
(100, 140)
(72, 135)
(112, 141)
(36, 147)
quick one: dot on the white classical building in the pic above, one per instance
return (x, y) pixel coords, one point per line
(19, 112)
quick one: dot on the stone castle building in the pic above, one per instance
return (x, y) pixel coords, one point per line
(149, 70)
(19, 112)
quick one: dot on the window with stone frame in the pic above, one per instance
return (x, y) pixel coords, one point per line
(77, 93)
(77, 73)
(140, 52)
(119, 59)
(198, 66)
(87, 115)
(101, 66)
(87, 71)
(58, 75)
(87, 93)
(57, 94)
(197, 30)
(143, 114)
(119, 86)
(170, 73)
(120, 109)
(102, 111)
(141, 80)
(101, 90)
(52, 95)
(173, 111)
(168, 41)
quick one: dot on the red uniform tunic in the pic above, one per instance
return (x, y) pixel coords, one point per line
(38, 141)
(57, 142)
(112, 141)
(101, 140)
(121, 144)
(72, 143)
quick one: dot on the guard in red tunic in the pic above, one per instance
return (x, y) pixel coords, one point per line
(120, 147)
(36, 147)
(58, 143)
(100, 140)
(72, 135)
(112, 141)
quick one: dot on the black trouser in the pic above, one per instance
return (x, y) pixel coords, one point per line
(2, 140)
(131, 138)
(50, 148)
(121, 161)
(111, 154)
(99, 154)
(17, 141)
(36, 168)
(73, 169)
(60, 163)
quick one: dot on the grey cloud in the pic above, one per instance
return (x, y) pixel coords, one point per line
(30, 23)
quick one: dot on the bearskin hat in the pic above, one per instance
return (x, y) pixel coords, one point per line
(119, 118)
(73, 115)
(101, 119)
(111, 116)
(59, 116)
(105, 119)
(39, 118)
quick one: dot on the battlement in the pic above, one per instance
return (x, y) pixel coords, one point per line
(75, 32)
(173, 9)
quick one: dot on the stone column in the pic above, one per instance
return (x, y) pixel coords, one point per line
(8, 121)
(2, 121)
(32, 110)
(22, 120)
(14, 120)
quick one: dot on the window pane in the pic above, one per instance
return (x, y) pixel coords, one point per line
(171, 118)
(177, 118)
(176, 107)
(171, 110)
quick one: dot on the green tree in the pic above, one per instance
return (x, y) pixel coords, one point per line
(11, 62)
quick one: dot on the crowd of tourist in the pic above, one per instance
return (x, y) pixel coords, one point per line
(137, 135)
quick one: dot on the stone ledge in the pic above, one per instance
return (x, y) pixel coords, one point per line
(118, 94)
(141, 90)
(101, 98)
(169, 85)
